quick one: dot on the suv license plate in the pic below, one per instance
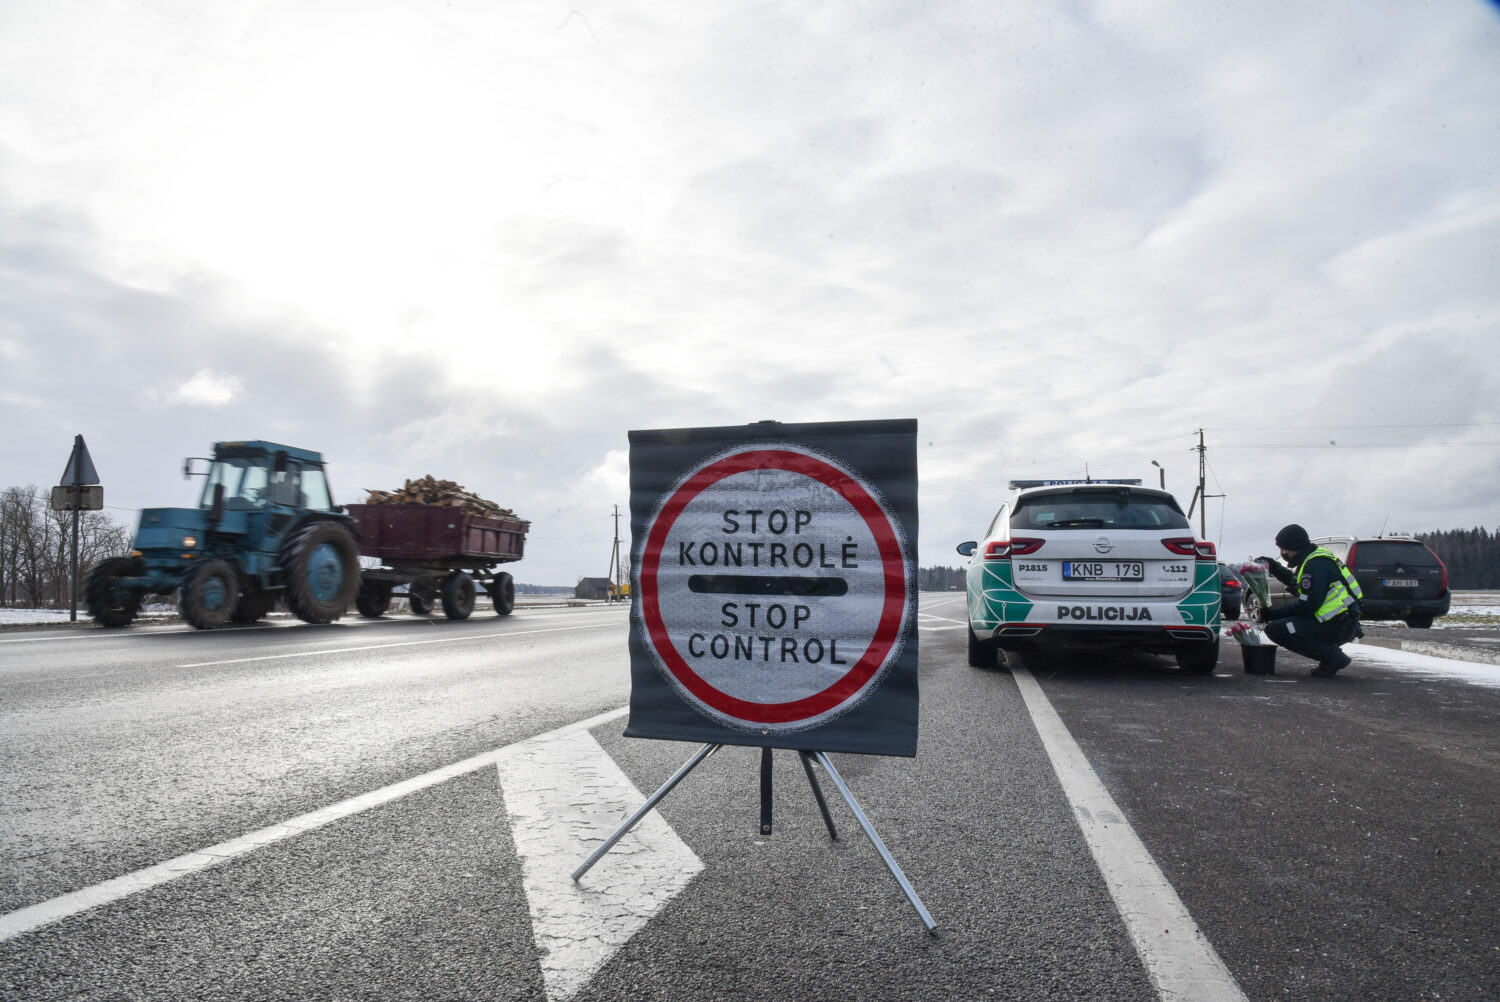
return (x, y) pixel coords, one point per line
(1399, 582)
(1103, 570)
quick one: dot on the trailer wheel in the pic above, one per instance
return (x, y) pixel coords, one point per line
(103, 601)
(458, 595)
(373, 600)
(321, 567)
(503, 593)
(253, 606)
(420, 605)
(209, 593)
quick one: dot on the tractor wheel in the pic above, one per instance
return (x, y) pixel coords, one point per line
(253, 605)
(208, 595)
(106, 605)
(373, 600)
(420, 605)
(503, 593)
(320, 565)
(458, 595)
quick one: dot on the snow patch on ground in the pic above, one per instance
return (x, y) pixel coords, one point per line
(1473, 672)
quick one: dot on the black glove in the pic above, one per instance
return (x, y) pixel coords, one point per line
(1263, 614)
(1268, 561)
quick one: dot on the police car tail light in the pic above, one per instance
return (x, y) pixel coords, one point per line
(1187, 546)
(1007, 548)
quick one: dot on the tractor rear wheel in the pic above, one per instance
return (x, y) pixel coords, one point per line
(420, 605)
(458, 595)
(104, 603)
(208, 595)
(320, 565)
(503, 593)
(373, 600)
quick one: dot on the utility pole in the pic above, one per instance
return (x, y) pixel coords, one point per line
(615, 570)
(1201, 494)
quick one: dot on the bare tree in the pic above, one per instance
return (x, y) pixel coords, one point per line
(36, 547)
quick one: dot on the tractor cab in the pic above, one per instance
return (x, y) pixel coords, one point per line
(251, 476)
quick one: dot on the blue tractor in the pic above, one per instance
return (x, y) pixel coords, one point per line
(265, 529)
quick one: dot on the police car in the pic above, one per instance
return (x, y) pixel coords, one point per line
(1093, 564)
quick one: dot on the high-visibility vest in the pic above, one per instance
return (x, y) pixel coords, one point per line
(1343, 592)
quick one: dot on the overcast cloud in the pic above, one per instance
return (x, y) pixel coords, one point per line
(484, 240)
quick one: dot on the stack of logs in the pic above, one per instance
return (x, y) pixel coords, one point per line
(442, 494)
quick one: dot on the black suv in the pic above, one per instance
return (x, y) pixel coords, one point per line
(1400, 577)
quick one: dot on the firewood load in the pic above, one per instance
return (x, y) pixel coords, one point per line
(439, 494)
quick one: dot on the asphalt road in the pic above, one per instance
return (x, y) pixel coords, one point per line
(1330, 839)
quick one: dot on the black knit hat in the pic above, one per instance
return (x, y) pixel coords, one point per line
(1293, 538)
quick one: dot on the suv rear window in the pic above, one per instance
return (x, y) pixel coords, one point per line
(1097, 510)
(1386, 552)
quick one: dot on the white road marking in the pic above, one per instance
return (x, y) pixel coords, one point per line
(22, 920)
(1180, 960)
(405, 643)
(145, 628)
(565, 796)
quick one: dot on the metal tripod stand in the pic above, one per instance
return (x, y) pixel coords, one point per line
(807, 758)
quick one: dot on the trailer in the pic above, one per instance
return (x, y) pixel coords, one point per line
(440, 554)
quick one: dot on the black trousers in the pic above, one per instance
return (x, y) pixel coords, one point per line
(1306, 636)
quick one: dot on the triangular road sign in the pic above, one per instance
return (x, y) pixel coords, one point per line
(80, 466)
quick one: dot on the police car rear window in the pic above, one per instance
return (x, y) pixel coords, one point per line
(1097, 510)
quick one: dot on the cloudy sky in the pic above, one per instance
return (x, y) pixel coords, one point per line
(483, 240)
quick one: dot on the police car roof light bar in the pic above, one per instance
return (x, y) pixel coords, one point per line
(1019, 485)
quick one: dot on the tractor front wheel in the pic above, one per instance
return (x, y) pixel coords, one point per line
(208, 594)
(105, 603)
(321, 567)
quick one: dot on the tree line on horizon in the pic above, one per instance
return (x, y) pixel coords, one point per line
(1472, 556)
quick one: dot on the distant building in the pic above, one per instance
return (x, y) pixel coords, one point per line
(592, 588)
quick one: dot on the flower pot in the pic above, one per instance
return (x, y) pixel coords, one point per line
(1259, 659)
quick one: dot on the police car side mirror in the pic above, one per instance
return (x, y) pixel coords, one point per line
(967, 549)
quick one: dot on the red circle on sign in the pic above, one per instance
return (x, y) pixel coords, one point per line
(887, 630)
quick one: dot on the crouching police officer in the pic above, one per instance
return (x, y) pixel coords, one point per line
(1325, 613)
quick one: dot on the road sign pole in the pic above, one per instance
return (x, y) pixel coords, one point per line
(73, 591)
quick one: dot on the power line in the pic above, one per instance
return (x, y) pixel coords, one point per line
(1358, 427)
(1364, 445)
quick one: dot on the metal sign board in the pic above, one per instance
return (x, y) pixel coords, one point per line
(66, 497)
(775, 586)
(80, 468)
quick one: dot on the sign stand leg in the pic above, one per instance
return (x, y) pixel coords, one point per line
(817, 790)
(656, 798)
(765, 791)
(864, 822)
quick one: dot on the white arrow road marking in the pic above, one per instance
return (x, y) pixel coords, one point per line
(23, 920)
(565, 796)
